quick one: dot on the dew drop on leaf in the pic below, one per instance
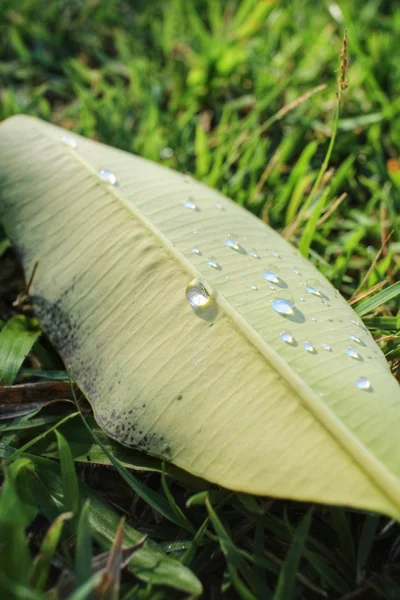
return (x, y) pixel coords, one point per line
(197, 294)
(191, 205)
(283, 304)
(271, 274)
(308, 347)
(69, 141)
(212, 261)
(254, 254)
(287, 337)
(363, 383)
(313, 287)
(353, 354)
(195, 250)
(327, 347)
(107, 176)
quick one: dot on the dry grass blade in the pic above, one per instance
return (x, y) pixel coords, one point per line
(356, 297)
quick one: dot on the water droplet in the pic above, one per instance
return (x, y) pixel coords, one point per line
(254, 287)
(313, 319)
(283, 304)
(353, 354)
(166, 153)
(254, 254)
(227, 277)
(301, 299)
(195, 232)
(195, 250)
(212, 261)
(197, 294)
(296, 271)
(107, 176)
(275, 254)
(271, 274)
(190, 204)
(355, 339)
(219, 206)
(360, 325)
(69, 141)
(232, 242)
(326, 303)
(312, 287)
(308, 347)
(327, 347)
(363, 383)
(287, 337)
(272, 287)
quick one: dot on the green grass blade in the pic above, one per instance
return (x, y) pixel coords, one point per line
(382, 297)
(287, 578)
(16, 341)
(72, 500)
(83, 552)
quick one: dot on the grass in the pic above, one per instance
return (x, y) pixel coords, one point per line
(243, 96)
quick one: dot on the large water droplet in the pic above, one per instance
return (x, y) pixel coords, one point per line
(327, 347)
(353, 354)
(363, 383)
(191, 205)
(283, 304)
(212, 261)
(195, 250)
(69, 141)
(287, 337)
(313, 287)
(355, 339)
(271, 274)
(197, 294)
(107, 176)
(232, 242)
(254, 254)
(308, 347)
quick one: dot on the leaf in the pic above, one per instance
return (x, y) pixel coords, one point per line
(382, 297)
(84, 551)
(216, 390)
(72, 500)
(42, 562)
(286, 583)
(16, 341)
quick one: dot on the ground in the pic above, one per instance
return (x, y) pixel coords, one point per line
(242, 95)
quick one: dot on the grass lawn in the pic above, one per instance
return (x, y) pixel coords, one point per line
(241, 94)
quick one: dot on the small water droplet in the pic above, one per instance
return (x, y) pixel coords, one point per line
(69, 141)
(353, 354)
(363, 383)
(195, 250)
(287, 337)
(271, 274)
(254, 254)
(276, 255)
(219, 206)
(232, 242)
(166, 153)
(313, 319)
(301, 299)
(312, 287)
(327, 347)
(191, 205)
(360, 325)
(296, 271)
(326, 303)
(212, 261)
(254, 287)
(308, 347)
(197, 294)
(195, 232)
(355, 339)
(272, 287)
(283, 304)
(227, 277)
(107, 176)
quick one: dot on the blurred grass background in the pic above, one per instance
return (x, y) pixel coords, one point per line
(230, 92)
